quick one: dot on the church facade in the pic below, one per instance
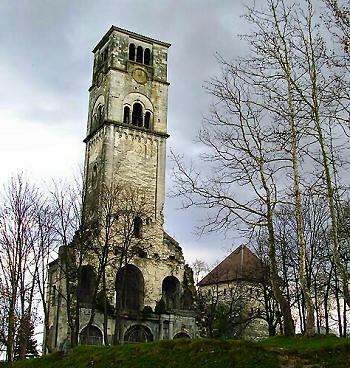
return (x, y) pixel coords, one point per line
(147, 287)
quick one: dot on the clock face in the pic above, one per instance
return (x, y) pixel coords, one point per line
(140, 75)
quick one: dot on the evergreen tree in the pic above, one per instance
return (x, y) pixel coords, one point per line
(27, 339)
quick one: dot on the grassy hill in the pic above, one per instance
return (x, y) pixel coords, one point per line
(204, 353)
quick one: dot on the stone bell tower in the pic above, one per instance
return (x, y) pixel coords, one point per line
(126, 144)
(127, 121)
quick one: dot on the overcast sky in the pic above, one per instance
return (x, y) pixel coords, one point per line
(45, 73)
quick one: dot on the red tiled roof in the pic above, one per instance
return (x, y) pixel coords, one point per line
(241, 264)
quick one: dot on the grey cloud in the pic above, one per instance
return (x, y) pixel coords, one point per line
(47, 45)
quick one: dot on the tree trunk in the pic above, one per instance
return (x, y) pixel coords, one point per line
(337, 299)
(119, 302)
(23, 333)
(330, 194)
(105, 315)
(288, 323)
(294, 137)
(10, 334)
(344, 318)
(317, 307)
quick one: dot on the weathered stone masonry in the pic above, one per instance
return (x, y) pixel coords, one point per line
(126, 143)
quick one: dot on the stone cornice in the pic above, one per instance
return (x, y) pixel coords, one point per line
(137, 36)
(122, 125)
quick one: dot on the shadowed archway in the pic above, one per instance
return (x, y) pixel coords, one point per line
(182, 335)
(171, 292)
(91, 335)
(130, 288)
(86, 284)
(138, 333)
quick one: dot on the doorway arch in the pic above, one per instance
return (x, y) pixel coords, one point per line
(130, 288)
(90, 335)
(171, 292)
(182, 335)
(138, 333)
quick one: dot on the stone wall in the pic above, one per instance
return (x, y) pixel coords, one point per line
(249, 296)
(133, 156)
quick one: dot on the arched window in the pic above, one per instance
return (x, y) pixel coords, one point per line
(86, 284)
(126, 117)
(137, 227)
(147, 57)
(138, 333)
(141, 253)
(100, 112)
(132, 52)
(137, 114)
(139, 54)
(147, 120)
(130, 288)
(91, 335)
(171, 292)
(105, 55)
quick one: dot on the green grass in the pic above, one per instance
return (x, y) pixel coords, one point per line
(323, 351)
(206, 353)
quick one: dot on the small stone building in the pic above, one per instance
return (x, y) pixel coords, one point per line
(126, 146)
(239, 282)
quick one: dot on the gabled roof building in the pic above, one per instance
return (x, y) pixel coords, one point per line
(236, 287)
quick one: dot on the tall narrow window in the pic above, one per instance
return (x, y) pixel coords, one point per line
(94, 175)
(86, 284)
(105, 55)
(137, 114)
(139, 54)
(171, 292)
(130, 287)
(94, 121)
(100, 114)
(137, 227)
(147, 57)
(148, 120)
(126, 117)
(132, 52)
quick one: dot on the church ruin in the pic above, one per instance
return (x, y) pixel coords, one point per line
(122, 266)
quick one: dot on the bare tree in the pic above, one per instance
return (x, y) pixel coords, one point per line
(131, 233)
(242, 154)
(339, 22)
(316, 89)
(66, 205)
(17, 265)
(200, 268)
(245, 152)
(121, 227)
(275, 40)
(279, 112)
